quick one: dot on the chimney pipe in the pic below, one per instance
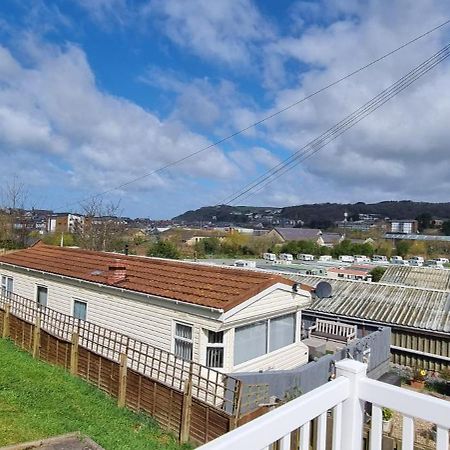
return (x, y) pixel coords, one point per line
(117, 272)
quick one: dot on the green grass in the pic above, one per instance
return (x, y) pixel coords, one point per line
(39, 401)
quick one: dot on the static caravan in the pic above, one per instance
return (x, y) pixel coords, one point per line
(244, 263)
(379, 258)
(227, 318)
(286, 257)
(305, 257)
(346, 258)
(270, 256)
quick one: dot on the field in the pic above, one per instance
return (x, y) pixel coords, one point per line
(39, 401)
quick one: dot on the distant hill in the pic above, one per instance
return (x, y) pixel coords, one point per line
(318, 214)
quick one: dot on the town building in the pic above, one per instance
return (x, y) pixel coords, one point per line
(402, 226)
(229, 319)
(65, 223)
(282, 235)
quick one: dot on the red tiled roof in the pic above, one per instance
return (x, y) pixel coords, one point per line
(211, 286)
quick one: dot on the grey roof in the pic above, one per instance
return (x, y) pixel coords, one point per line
(413, 307)
(424, 277)
(298, 234)
(417, 237)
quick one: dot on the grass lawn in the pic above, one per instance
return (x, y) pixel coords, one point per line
(39, 401)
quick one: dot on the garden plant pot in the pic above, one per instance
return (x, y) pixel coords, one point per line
(417, 384)
(387, 426)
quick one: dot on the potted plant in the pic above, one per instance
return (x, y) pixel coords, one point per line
(418, 381)
(387, 420)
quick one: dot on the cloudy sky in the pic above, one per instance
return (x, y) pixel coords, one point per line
(94, 93)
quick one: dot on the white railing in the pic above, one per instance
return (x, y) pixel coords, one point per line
(345, 397)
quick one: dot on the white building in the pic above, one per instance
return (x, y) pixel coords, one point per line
(227, 318)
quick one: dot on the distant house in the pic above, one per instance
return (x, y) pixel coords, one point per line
(282, 235)
(226, 318)
(65, 223)
(403, 226)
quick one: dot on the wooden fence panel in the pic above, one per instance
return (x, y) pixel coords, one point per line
(21, 332)
(207, 423)
(55, 351)
(100, 371)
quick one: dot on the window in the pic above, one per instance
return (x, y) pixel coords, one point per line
(41, 296)
(183, 341)
(7, 285)
(262, 337)
(214, 349)
(79, 309)
(250, 342)
(282, 332)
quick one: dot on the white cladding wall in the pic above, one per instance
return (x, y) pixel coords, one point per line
(285, 358)
(268, 304)
(152, 320)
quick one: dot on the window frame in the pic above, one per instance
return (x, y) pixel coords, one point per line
(215, 345)
(4, 285)
(182, 339)
(78, 300)
(41, 286)
(268, 332)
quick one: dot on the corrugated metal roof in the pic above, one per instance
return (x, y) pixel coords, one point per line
(417, 237)
(424, 277)
(426, 309)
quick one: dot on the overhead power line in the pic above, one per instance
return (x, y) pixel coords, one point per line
(341, 127)
(261, 121)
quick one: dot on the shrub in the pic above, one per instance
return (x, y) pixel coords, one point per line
(387, 414)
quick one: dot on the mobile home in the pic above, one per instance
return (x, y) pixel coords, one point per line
(305, 257)
(222, 317)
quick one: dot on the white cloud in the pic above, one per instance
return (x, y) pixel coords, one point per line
(53, 105)
(220, 30)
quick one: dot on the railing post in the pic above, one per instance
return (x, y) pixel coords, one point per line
(74, 354)
(352, 407)
(186, 411)
(122, 380)
(37, 337)
(6, 317)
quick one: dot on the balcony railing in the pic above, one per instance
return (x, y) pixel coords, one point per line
(346, 397)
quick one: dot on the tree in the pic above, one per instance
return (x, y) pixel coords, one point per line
(424, 221)
(13, 221)
(403, 248)
(164, 249)
(377, 272)
(103, 230)
(446, 228)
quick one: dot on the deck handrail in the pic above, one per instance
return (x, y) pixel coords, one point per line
(346, 396)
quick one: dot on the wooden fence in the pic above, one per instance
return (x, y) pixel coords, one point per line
(194, 401)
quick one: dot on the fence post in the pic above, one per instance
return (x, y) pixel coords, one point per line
(74, 354)
(352, 407)
(186, 411)
(37, 337)
(122, 380)
(6, 317)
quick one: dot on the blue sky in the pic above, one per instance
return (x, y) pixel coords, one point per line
(94, 93)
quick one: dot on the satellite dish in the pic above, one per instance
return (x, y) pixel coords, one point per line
(323, 289)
